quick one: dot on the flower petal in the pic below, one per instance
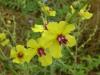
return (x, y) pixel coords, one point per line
(53, 27)
(32, 43)
(13, 53)
(61, 26)
(86, 15)
(45, 60)
(29, 54)
(38, 28)
(55, 50)
(18, 61)
(47, 38)
(68, 28)
(20, 48)
(71, 40)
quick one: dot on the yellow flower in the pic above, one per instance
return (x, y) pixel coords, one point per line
(48, 11)
(59, 34)
(40, 49)
(84, 13)
(19, 54)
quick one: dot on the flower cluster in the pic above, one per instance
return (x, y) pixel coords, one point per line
(54, 36)
(48, 46)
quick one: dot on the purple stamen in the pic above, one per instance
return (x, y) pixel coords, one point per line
(61, 39)
(41, 52)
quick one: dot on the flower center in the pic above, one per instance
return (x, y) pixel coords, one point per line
(20, 55)
(61, 39)
(41, 52)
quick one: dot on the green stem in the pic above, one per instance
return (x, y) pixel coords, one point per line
(90, 37)
(52, 70)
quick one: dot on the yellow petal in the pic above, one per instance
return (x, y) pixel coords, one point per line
(29, 54)
(53, 27)
(68, 28)
(56, 27)
(20, 48)
(61, 26)
(13, 53)
(71, 40)
(38, 28)
(32, 43)
(55, 50)
(18, 61)
(42, 42)
(45, 60)
(86, 15)
(47, 38)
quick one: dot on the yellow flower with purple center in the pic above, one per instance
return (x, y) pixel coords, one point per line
(20, 54)
(58, 34)
(40, 49)
(48, 11)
